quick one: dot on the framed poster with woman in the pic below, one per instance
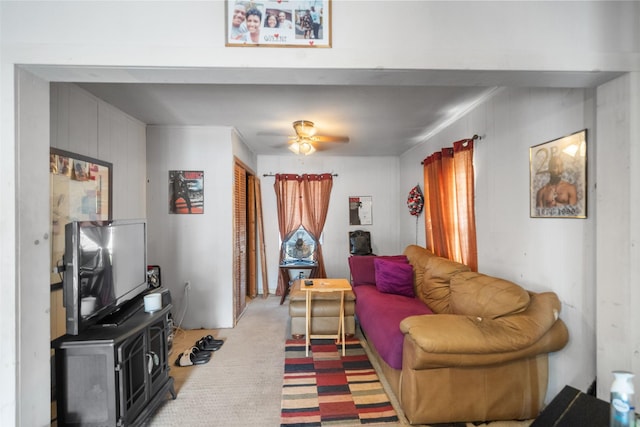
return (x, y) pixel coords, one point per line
(278, 23)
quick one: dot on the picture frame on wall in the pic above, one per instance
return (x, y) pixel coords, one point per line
(360, 210)
(186, 192)
(80, 191)
(279, 23)
(558, 177)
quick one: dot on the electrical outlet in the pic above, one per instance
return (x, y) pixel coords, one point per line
(187, 285)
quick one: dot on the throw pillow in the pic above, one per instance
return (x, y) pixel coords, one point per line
(363, 270)
(394, 277)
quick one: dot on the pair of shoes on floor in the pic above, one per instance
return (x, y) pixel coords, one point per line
(208, 343)
(193, 356)
(200, 352)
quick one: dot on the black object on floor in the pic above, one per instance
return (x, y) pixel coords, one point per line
(193, 356)
(208, 343)
(211, 340)
(571, 408)
(202, 345)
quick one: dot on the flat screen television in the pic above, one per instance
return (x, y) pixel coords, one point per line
(105, 267)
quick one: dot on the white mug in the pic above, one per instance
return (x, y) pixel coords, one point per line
(152, 302)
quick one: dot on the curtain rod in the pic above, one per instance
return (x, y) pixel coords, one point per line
(273, 174)
(474, 137)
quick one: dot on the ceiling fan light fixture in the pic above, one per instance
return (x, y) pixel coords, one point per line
(302, 146)
(304, 128)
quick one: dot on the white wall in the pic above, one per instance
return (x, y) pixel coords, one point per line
(196, 248)
(539, 254)
(70, 119)
(84, 124)
(30, 302)
(242, 153)
(452, 35)
(482, 35)
(357, 176)
(618, 232)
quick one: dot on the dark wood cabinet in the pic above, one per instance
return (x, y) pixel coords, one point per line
(114, 376)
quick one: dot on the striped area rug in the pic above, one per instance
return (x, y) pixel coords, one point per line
(328, 389)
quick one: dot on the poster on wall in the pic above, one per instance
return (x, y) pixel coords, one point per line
(360, 210)
(278, 23)
(558, 177)
(80, 191)
(186, 192)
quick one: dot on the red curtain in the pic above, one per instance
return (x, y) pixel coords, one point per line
(302, 200)
(316, 192)
(449, 203)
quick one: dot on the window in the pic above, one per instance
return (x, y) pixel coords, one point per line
(299, 248)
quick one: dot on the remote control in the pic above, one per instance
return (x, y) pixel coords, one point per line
(308, 282)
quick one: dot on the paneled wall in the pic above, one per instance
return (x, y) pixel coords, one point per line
(197, 248)
(618, 254)
(83, 124)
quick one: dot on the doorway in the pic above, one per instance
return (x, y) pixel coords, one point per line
(245, 259)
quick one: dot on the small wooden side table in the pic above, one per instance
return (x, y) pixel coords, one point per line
(324, 285)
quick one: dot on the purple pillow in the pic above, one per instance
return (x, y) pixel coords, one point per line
(363, 271)
(394, 277)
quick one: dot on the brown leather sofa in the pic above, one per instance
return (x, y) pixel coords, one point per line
(482, 355)
(325, 312)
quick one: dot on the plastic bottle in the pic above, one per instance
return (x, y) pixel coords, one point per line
(622, 403)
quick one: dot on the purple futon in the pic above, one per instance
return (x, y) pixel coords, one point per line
(383, 286)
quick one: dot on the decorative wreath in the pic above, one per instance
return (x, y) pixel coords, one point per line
(415, 201)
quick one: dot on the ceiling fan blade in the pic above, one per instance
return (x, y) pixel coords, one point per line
(320, 147)
(327, 138)
(272, 133)
(279, 146)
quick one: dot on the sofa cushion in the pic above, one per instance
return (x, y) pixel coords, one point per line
(434, 282)
(363, 270)
(379, 316)
(476, 294)
(394, 277)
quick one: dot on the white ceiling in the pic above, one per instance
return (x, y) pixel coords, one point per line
(384, 112)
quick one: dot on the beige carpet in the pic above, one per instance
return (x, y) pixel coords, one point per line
(242, 383)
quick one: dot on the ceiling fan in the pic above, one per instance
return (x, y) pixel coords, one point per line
(306, 140)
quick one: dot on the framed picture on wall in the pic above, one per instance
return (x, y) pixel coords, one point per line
(558, 177)
(278, 23)
(360, 210)
(186, 192)
(80, 191)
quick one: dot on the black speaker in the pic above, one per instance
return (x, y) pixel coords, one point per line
(571, 408)
(166, 295)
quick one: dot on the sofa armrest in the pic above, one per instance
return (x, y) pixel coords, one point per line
(459, 340)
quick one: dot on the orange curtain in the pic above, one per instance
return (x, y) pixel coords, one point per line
(465, 197)
(302, 200)
(449, 203)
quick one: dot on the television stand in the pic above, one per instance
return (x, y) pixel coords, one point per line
(116, 376)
